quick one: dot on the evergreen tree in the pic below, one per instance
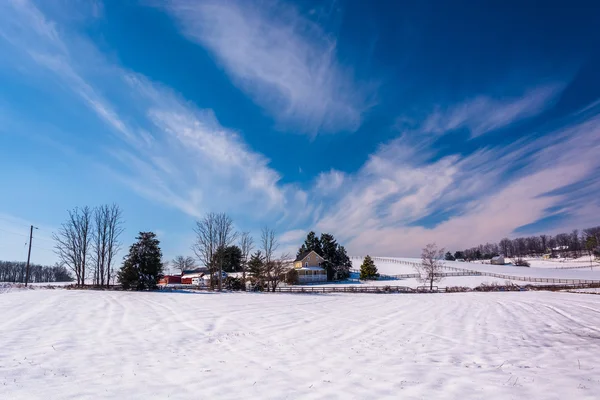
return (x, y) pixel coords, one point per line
(345, 264)
(450, 257)
(312, 242)
(368, 270)
(256, 265)
(142, 267)
(329, 249)
(459, 254)
(301, 250)
(231, 258)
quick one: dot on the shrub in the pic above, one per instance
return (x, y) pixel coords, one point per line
(457, 289)
(291, 277)
(232, 283)
(519, 262)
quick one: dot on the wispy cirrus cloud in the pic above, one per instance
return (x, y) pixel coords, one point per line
(167, 150)
(487, 194)
(484, 114)
(284, 61)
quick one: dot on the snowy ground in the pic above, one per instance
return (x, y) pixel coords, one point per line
(60, 344)
(452, 281)
(11, 287)
(582, 262)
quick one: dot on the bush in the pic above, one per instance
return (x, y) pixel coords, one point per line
(519, 262)
(257, 285)
(291, 277)
(457, 289)
(231, 283)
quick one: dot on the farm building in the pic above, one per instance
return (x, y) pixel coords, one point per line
(498, 260)
(188, 279)
(169, 279)
(308, 266)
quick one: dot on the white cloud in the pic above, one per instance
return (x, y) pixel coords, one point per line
(292, 237)
(170, 151)
(329, 182)
(377, 210)
(285, 62)
(484, 114)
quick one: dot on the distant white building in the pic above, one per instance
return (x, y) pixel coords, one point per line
(498, 260)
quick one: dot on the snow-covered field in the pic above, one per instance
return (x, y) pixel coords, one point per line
(63, 344)
(579, 263)
(10, 287)
(572, 274)
(451, 281)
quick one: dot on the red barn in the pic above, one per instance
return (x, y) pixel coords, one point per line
(169, 279)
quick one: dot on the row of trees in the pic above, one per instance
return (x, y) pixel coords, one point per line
(87, 244)
(88, 241)
(220, 247)
(337, 263)
(574, 244)
(14, 271)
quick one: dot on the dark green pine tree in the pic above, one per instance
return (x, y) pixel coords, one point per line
(449, 257)
(231, 258)
(256, 265)
(312, 242)
(345, 264)
(329, 249)
(301, 250)
(368, 270)
(142, 267)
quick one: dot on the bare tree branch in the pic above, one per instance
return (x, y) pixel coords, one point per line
(246, 246)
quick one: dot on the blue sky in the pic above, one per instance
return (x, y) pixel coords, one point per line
(387, 124)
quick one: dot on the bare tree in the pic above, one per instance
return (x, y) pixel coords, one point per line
(268, 243)
(206, 242)
(99, 244)
(214, 231)
(107, 228)
(73, 242)
(182, 263)
(275, 270)
(246, 246)
(114, 216)
(431, 265)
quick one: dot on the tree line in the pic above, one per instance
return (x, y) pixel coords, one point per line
(575, 244)
(15, 271)
(88, 241)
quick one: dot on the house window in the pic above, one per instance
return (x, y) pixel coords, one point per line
(306, 264)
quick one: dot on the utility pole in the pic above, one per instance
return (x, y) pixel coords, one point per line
(29, 255)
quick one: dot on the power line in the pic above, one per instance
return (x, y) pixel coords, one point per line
(12, 221)
(20, 234)
(13, 233)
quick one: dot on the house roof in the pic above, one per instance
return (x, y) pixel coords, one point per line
(193, 275)
(195, 271)
(303, 255)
